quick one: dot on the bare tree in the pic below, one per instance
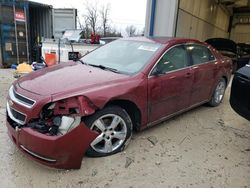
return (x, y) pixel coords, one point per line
(104, 12)
(91, 15)
(86, 29)
(79, 23)
(130, 30)
(112, 32)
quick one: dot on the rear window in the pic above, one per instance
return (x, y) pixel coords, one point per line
(200, 54)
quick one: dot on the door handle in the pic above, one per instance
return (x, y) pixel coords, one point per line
(172, 77)
(188, 74)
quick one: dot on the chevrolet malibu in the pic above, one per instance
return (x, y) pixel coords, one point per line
(58, 114)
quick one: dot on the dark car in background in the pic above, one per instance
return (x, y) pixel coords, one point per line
(57, 114)
(244, 51)
(239, 53)
(240, 92)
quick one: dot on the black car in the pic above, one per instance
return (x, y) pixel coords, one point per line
(244, 54)
(240, 92)
(239, 53)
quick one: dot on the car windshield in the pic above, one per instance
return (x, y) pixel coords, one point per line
(126, 57)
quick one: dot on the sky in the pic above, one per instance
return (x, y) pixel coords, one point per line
(122, 12)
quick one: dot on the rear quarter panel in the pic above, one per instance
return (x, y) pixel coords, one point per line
(225, 67)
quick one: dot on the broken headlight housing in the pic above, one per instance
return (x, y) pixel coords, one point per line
(60, 117)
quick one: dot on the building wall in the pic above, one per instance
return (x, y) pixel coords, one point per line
(240, 31)
(188, 18)
(241, 34)
(202, 20)
(165, 17)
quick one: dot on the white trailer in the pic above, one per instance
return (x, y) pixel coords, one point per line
(64, 54)
(69, 47)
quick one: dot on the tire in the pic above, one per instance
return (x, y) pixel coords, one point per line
(218, 93)
(115, 128)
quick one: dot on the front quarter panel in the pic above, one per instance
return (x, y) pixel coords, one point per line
(133, 89)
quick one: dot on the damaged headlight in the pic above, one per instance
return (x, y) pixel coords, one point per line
(59, 125)
(47, 111)
(68, 123)
(60, 117)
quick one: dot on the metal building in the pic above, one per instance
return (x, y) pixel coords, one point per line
(200, 19)
(24, 24)
(63, 19)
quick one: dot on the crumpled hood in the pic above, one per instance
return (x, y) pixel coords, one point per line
(67, 77)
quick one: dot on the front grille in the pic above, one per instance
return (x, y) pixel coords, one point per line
(11, 122)
(20, 99)
(17, 115)
(23, 99)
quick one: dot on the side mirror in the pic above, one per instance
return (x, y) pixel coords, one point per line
(157, 72)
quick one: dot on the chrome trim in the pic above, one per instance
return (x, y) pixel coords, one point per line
(36, 155)
(248, 65)
(13, 98)
(190, 66)
(12, 117)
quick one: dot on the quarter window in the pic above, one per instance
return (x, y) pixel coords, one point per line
(200, 54)
(174, 59)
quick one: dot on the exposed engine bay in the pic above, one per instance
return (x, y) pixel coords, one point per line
(58, 125)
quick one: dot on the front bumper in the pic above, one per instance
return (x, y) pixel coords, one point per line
(64, 152)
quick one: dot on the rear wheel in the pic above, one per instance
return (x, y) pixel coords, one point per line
(219, 93)
(115, 129)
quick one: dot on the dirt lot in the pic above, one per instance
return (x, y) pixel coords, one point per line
(205, 147)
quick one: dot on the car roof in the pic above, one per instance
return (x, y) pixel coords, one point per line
(162, 40)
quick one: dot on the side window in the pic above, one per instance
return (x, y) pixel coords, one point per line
(200, 54)
(174, 59)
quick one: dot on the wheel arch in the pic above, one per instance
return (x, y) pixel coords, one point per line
(131, 108)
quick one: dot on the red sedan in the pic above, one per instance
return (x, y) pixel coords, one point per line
(58, 114)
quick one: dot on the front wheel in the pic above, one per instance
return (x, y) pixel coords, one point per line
(115, 129)
(219, 93)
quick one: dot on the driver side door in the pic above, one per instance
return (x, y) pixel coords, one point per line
(170, 84)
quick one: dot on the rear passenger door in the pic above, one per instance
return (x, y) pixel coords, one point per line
(205, 68)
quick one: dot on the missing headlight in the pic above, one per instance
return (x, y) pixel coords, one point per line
(58, 125)
(47, 111)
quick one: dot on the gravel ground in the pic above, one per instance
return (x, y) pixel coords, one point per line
(205, 147)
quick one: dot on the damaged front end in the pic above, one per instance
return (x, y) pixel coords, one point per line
(57, 136)
(61, 117)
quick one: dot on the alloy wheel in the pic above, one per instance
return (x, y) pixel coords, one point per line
(113, 132)
(219, 91)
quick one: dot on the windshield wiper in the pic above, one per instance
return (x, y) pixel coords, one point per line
(105, 68)
(82, 62)
(99, 66)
